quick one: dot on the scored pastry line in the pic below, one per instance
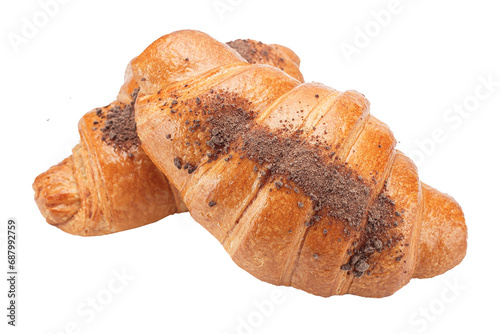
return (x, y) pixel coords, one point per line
(414, 231)
(80, 181)
(326, 104)
(347, 280)
(349, 142)
(87, 199)
(107, 204)
(343, 153)
(233, 231)
(93, 169)
(418, 228)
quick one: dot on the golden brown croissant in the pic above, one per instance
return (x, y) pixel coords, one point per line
(300, 184)
(109, 184)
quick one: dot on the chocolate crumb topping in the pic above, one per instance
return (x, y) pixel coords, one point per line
(346, 267)
(284, 157)
(334, 187)
(190, 168)
(119, 129)
(177, 163)
(377, 236)
(357, 274)
(257, 52)
(362, 266)
(225, 128)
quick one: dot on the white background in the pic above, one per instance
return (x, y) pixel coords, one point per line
(428, 58)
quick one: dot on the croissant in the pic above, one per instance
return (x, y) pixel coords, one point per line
(109, 184)
(299, 183)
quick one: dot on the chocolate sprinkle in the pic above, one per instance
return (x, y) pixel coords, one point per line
(362, 266)
(334, 187)
(119, 129)
(177, 163)
(190, 168)
(377, 236)
(257, 52)
(346, 267)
